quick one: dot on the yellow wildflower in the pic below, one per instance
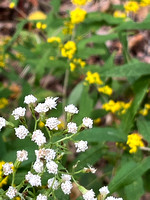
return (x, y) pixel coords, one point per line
(41, 124)
(134, 141)
(105, 89)
(77, 16)
(37, 15)
(80, 2)
(2, 64)
(3, 103)
(145, 3)
(77, 62)
(131, 6)
(93, 78)
(39, 25)
(12, 5)
(69, 49)
(143, 112)
(54, 39)
(44, 26)
(68, 29)
(3, 181)
(147, 106)
(17, 198)
(119, 14)
(97, 121)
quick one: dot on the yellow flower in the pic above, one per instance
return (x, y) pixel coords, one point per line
(37, 15)
(97, 121)
(69, 49)
(44, 26)
(52, 58)
(131, 6)
(80, 2)
(105, 89)
(12, 5)
(93, 78)
(134, 141)
(39, 25)
(145, 3)
(77, 16)
(119, 14)
(143, 112)
(41, 124)
(77, 62)
(3, 103)
(3, 181)
(17, 198)
(2, 64)
(68, 29)
(54, 39)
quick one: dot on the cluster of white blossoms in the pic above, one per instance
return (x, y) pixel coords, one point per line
(49, 152)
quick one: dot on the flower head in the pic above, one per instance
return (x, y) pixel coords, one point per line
(80, 2)
(131, 6)
(72, 127)
(34, 180)
(41, 108)
(7, 168)
(87, 122)
(19, 112)
(11, 193)
(78, 15)
(81, 146)
(66, 187)
(2, 122)
(51, 102)
(66, 177)
(89, 195)
(30, 99)
(41, 197)
(69, 49)
(22, 155)
(38, 166)
(52, 123)
(134, 141)
(50, 154)
(38, 137)
(72, 109)
(52, 183)
(104, 191)
(21, 132)
(52, 167)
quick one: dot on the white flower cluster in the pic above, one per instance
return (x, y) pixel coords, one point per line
(89, 195)
(52, 167)
(53, 183)
(71, 109)
(41, 197)
(2, 122)
(34, 180)
(7, 168)
(72, 127)
(38, 137)
(81, 146)
(21, 132)
(52, 123)
(19, 112)
(11, 193)
(87, 122)
(30, 99)
(38, 166)
(22, 155)
(104, 191)
(66, 186)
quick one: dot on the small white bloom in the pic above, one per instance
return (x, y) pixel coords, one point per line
(52, 167)
(2, 122)
(40, 154)
(41, 197)
(21, 132)
(51, 102)
(52, 123)
(38, 137)
(50, 154)
(22, 155)
(89, 195)
(66, 177)
(87, 122)
(53, 182)
(66, 187)
(90, 169)
(71, 109)
(81, 146)
(34, 180)
(8, 168)
(72, 127)
(11, 193)
(41, 108)
(19, 112)
(30, 99)
(104, 191)
(38, 166)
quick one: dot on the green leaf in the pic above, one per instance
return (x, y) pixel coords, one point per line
(76, 94)
(128, 173)
(144, 128)
(55, 4)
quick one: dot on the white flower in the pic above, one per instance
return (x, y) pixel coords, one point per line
(38, 166)
(52, 123)
(22, 155)
(30, 99)
(19, 112)
(104, 191)
(21, 132)
(66, 187)
(71, 109)
(90, 169)
(50, 154)
(41, 197)
(53, 183)
(66, 177)
(2, 122)
(8, 168)
(89, 195)
(52, 167)
(34, 180)
(41, 108)
(81, 146)
(72, 127)
(87, 122)
(38, 137)
(11, 193)
(41, 153)
(51, 102)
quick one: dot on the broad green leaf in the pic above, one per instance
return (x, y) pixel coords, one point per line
(75, 94)
(128, 173)
(144, 128)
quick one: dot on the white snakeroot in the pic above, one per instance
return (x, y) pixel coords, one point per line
(89, 195)
(52, 167)
(34, 180)
(38, 166)
(41, 108)
(50, 154)
(2, 122)
(51, 102)
(87, 122)
(19, 112)
(30, 99)
(38, 137)
(81, 146)
(22, 155)
(52, 123)
(53, 183)
(11, 193)
(66, 177)
(41, 197)
(8, 168)
(72, 109)
(21, 132)
(66, 187)
(104, 191)
(72, 127)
